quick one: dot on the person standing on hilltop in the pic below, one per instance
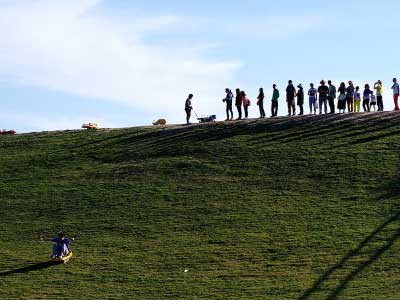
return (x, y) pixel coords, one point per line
(188, 108)
(260, 103)
(331, 97)
(323, 92)
(366, 98)
(246, 103)
(312, 99)
(350, 97)
(396, 92)
(300, 99)
(275, 103)
(378, 86)
(229, 101)
(342, 98)
(239, 103)
(357, 100)
(290, 95)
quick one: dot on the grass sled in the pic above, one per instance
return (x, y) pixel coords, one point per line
(64, 259)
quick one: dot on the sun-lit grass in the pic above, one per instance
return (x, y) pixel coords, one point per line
(304, 208)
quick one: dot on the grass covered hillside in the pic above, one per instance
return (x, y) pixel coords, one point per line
(303, 208)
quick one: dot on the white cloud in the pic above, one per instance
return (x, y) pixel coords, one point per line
(68, 46)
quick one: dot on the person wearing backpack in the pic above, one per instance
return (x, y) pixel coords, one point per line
(246, 103)
(312, 99)
(331, 97)
(323, 92)
(300, 99)
(290, 95)
(229, 101)
(274, 102)
(239, 103)
(260, 103)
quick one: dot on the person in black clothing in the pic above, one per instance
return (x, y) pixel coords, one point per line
(188, 108)
(260, 103)
(331, 97)
(274, 104)
(229, 100)
(323, 92)
(350, 97)
(342, 100)
(300, 99)
(290, 95)
(239, 103)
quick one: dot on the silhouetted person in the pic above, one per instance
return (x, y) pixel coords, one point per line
(260, 103)
(323, 92)
(342, 98)
(350, 97)
(396, 92)
(274, 104)
(229, 101)
(188, 108)
(366, 98)
(290, 95)
(238, 103)
(331, 97)
(379, 94)
(246, 104)
(312, 99)
(300, 99)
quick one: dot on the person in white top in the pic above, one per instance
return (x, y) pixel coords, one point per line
(396, 92)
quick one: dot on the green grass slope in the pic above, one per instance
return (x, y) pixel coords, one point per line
(303, 208)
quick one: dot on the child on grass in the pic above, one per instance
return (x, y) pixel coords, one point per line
(61, 246)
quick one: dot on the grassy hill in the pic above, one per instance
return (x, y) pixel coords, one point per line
(303, 208)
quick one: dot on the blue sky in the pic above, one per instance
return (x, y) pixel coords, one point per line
(124, 63)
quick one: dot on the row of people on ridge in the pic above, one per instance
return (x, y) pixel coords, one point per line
(319, 99)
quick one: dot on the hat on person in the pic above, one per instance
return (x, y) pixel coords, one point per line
(322, 81)
(300, 86)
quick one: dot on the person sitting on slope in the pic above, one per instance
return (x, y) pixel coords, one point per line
(61, 246)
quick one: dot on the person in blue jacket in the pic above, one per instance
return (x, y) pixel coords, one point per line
(61, 247)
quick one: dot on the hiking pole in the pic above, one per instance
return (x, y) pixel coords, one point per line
(197, 116)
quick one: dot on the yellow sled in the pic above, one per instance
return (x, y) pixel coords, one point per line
(64, 259)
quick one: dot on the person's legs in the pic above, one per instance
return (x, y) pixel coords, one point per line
(275, 109)
(231, 111)
(380, 103)
(188, 115)
(357, 106)
(325, 105)
(331, 102)
(396, 102)
(239, 109)
(289, 106)
(262, 112)
(246, 111)
(301, 106)
(321, 101)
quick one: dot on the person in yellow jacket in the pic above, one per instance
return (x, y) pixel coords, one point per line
(379, 94)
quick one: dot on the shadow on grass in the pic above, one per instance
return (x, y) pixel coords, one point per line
(31, 268)
(382, 233)
(375, 255)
